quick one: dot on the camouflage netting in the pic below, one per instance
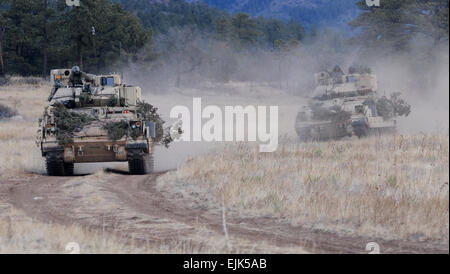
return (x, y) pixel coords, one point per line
(116, 130)
(401, 107)
(167, 138)
(334, 113)
(149, 113)
(389, 108)
(69, 122)
(6, 112)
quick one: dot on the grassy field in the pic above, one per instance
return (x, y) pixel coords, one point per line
(394, 187)
(19, 155)
(19, 152)
(21, 234)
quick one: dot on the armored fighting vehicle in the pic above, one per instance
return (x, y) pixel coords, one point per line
(346, 105)
(96, 119)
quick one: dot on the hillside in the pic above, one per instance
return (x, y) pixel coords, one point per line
(318, 13)
(330, 13)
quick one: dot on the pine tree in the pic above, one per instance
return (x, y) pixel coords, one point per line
(46, 34)
(23, 35)
(396, 22)
(244, 30)
(223, 29)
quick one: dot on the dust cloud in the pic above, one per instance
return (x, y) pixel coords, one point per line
(221, 76)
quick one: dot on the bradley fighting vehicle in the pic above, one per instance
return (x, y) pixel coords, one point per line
(347, 104)
(98, 119)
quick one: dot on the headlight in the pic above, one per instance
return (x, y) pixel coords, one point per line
(135, 125)
(50, 129)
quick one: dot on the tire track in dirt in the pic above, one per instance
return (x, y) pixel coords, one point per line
(132, 206)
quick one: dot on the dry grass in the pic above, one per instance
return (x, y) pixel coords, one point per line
(391, 187)
(18, 157)
(89, 201)
(19, 152)
(20, 234)
(27, 100)
(23, 235)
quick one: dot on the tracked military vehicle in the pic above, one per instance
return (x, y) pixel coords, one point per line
(346, 105)
(96, 119)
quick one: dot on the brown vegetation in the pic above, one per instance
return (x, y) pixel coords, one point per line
(395, 187)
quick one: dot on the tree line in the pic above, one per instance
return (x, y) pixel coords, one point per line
(395, 23)
(260, 31)
(39, 35)
(100, 35)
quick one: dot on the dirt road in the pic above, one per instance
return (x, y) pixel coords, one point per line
(134, 208)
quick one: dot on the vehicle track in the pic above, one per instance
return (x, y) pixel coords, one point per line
(133, 207)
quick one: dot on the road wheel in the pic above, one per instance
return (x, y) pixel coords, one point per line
(54, 164)
(140, 165)
(68, 169)
(136, 165)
